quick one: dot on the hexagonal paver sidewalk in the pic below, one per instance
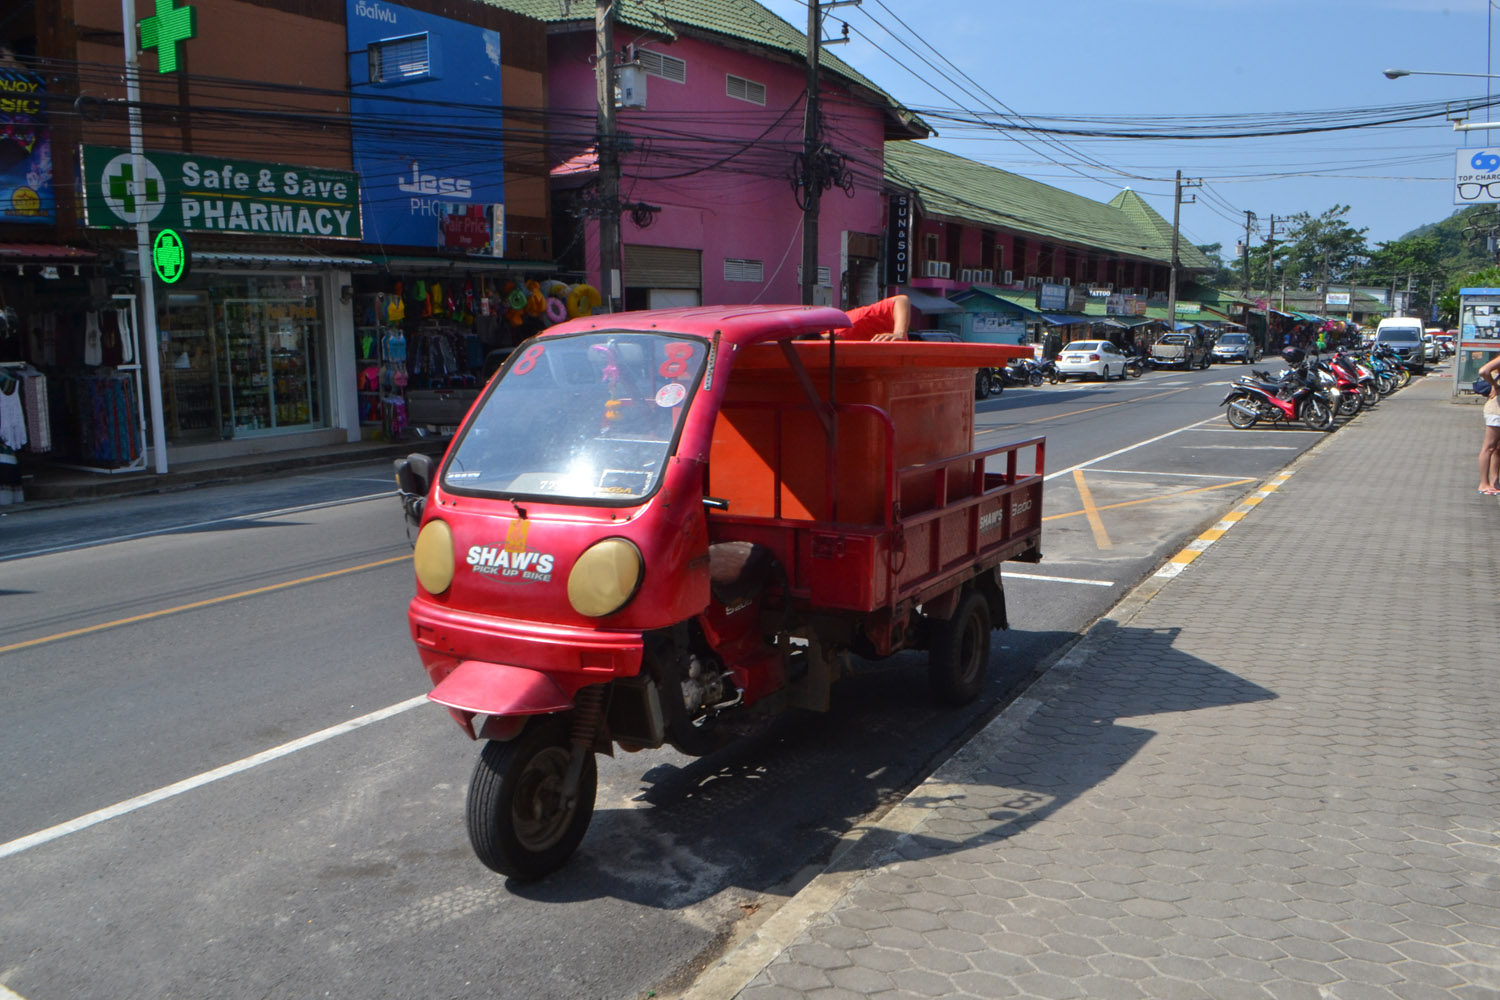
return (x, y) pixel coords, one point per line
(1275, 777)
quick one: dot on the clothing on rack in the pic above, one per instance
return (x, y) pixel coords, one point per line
(34, 401)
(12, 413)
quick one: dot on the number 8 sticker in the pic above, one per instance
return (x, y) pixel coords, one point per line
(678, 356)
(528, 360)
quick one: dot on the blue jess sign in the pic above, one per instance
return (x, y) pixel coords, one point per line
(417, 171)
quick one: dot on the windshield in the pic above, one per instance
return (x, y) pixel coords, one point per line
(590, 418)
(1388, 334)
(1232, 338)
(1174, 338)
(1083, 345)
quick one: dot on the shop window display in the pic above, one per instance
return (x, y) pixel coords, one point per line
(422, 343)
(242, 356)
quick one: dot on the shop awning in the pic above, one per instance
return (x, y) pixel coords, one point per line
(931, 303)
(424, 265)
(12, 253)
(271, 261)
(1011, 302)
(278, 260)
(1062, 319)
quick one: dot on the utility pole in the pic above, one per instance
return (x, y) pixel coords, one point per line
(810, 130)
(1271, 265)
(1245, 254)
(1176, 220)
(812, 143)
(609, 155)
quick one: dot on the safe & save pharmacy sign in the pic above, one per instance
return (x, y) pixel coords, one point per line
(208, 194)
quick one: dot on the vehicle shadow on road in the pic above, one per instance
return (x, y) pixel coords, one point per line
(756, 813)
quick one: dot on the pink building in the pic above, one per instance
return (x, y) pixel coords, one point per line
(709, 156)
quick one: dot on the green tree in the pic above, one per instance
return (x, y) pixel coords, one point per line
(1224, 276)
(1488, 277)
(1324, 248)
(1412, 262)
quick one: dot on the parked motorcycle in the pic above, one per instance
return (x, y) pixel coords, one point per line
(1024, 371)
(1300, 395)
(1362, 377)
(1048, 369)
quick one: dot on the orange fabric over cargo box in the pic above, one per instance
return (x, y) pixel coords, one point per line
(769, 456)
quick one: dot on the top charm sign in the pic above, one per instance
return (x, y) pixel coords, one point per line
(1476, 177)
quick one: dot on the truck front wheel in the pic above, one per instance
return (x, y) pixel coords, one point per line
(521, 822)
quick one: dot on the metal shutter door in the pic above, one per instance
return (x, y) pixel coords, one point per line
(663, 267)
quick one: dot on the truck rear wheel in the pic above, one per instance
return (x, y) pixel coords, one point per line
(959, 654)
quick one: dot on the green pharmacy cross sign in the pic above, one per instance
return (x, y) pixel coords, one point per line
(163, 32)
(169, 257)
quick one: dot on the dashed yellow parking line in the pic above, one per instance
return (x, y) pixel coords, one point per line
(1199, 545)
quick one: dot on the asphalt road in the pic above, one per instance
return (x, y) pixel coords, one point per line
(221, 779)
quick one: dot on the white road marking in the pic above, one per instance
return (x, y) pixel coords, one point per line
(1180, 475)
(1139, 444)
(1243, 447)
(207, 777)
(1253, 430)
(1059, 579)
(6, 994)
(258, 515)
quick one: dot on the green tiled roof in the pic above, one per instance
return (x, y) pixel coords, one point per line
(959, 188)
(742, 20)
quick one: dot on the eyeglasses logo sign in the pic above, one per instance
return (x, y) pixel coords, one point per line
(1476, 176)
(133, 199)
(169, 256)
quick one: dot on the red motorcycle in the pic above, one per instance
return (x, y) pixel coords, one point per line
(653, 529)
(1301, 396)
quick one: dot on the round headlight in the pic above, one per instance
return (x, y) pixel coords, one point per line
(434, 556)
(604, 578)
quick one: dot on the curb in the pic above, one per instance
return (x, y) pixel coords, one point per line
(865, 846)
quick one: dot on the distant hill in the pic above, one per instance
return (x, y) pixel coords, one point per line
(1461, 238)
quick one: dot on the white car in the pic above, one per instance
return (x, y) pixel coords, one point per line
(1430, 347)
(1099, 358)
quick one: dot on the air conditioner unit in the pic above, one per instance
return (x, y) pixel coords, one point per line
(966, 274)
(1009, 278)
(1067, 282)
(936, 269)
(987, 276)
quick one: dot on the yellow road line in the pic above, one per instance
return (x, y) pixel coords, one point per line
(1101, 537)
(1167, 496)
(269, 588)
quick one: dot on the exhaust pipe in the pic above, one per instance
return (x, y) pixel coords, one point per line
(1249, 411)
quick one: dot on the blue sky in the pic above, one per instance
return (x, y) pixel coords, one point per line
(1155, 59)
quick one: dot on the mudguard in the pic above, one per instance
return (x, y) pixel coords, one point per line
(499, 689)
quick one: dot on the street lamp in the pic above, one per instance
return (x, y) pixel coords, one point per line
(1396, 74)
(1458, 126)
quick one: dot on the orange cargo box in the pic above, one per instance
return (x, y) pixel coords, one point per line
(770, 458)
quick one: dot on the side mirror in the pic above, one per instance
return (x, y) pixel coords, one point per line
(413, 480)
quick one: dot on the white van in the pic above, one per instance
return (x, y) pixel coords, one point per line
(1403, 334)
